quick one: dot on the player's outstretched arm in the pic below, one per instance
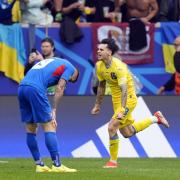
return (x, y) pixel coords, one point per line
(99, 97)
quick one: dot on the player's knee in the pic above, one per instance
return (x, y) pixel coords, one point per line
(49, 127)
(111, 129)
(31, 128)
(127, 134)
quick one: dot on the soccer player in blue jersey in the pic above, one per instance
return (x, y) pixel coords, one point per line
(35, 108)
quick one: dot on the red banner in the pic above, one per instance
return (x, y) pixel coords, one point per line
(120, 33)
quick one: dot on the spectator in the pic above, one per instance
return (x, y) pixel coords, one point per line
(48, 51)
(34, 57)
(100, 10)
(139, 13)
(169, 10)
(145, 10)
(6, 12)
(55, 6)
(58, 7)
(72, 11)
(174, 81)
(16, 13)
(32, 13)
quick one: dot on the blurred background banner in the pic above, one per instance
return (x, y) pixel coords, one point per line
(120, 33)
(12, 51)
(82, 135)
(169, 31)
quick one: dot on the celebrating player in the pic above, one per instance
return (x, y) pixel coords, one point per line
(35, 107)
(115, 73)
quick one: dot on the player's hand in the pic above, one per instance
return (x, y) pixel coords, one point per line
(32, 57)
(110, 15)
(95, 110)
(53, 114)
(39, 56)
(120, 115)
(54, 123)
(81, 7)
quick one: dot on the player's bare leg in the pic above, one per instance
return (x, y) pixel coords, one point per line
(113, 127)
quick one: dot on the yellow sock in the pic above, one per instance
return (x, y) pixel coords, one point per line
(141, 125)
(113, 148)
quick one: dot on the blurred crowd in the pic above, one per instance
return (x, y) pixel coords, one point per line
(45, 12)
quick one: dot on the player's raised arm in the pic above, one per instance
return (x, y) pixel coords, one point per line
(99, 97)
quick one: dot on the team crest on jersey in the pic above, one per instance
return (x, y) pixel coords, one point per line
(113, 75)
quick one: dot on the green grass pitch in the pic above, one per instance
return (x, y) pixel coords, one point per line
(91, 169)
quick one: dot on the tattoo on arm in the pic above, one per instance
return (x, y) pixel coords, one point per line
(59, 92)
(100, 92)
(124, 95)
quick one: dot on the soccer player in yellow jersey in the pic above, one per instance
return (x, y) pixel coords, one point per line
(115, 73)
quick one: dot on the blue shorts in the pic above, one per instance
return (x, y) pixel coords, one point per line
(34, 105)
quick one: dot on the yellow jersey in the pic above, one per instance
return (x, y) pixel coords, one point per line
(116, 75)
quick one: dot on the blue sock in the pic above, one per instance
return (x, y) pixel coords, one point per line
(33, 147)
(114, 137)
(52, 145)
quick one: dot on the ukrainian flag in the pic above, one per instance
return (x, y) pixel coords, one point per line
(169, 31)
(12, 51)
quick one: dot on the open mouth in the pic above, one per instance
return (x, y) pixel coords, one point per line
(99, 56)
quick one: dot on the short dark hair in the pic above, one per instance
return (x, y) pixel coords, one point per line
(49, 40)
(111, 44)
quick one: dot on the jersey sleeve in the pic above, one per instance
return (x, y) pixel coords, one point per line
(67, 74)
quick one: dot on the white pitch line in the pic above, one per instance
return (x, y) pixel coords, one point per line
(4, 162)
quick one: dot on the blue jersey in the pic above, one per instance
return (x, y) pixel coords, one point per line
(48, 72)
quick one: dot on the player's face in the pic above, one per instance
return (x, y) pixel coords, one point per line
(103, 53)
(47, 49)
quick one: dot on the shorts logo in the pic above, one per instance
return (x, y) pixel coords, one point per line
(113, 75)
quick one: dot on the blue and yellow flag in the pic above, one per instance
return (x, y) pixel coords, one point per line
(169, 31)
(12, 51)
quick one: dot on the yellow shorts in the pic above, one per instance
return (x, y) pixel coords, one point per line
(128, 119)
